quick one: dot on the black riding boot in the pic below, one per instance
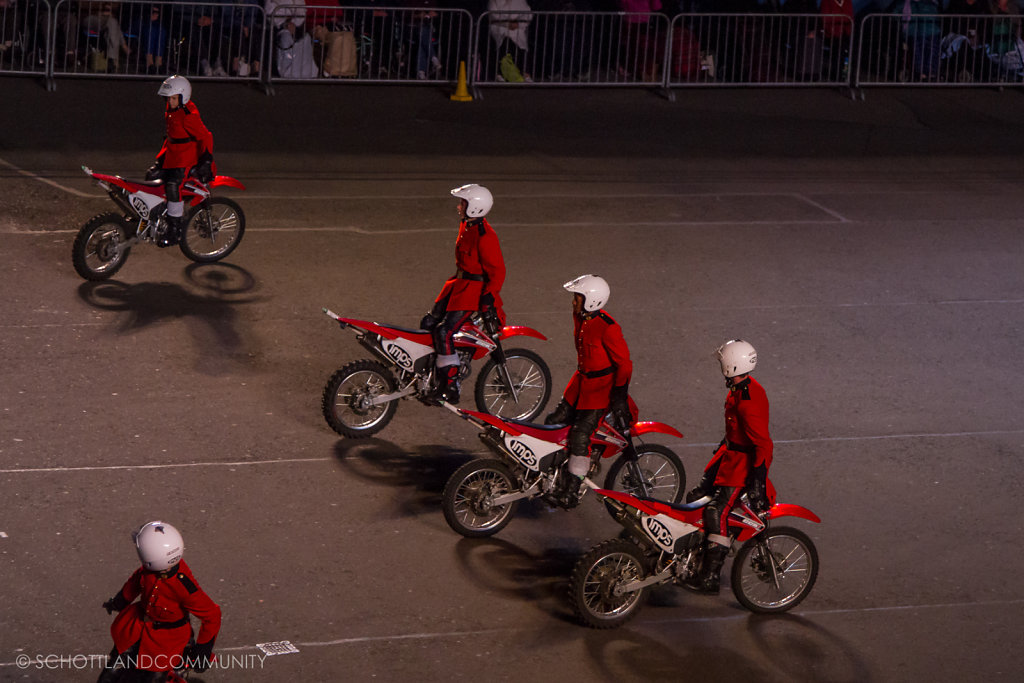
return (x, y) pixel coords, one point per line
(706, 581)
(172, 231)
(449, 390)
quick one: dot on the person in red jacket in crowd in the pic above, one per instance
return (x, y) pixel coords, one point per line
(151, 635)
(476, 285)
(739, 464)
(601, 380)
(188, 144)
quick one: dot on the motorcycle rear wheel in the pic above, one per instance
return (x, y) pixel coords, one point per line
(347, 393)
(530, 377)
(94, 253)
(661, 469)
(595, 578)
(214, 229)
(796, 566)
(467, 494)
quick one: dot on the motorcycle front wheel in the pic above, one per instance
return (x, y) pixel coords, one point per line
(467, 498)
(347, 399)
(656, 466)
(214, 229)
(95, 254)
(773, 572)
(595, 588)
(530, 377)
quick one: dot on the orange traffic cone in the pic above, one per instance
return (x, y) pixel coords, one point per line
(461, 92)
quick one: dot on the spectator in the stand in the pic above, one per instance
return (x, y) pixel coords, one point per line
(1003, 36)
(240, 29)
(109, 40)
(922, 30)
(325, 22)
(837, 31)
(638, 52)
(199, 26)
(420, 36)
(10, 26)
(286, 14)
(968, 60)
(152, 38)
(509, 24)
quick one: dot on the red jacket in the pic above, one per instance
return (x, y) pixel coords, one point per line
(746, 426)
(600, 350)
(165, 600)
(477, 252)
(187, 137)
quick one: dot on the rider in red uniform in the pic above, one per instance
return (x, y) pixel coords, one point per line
(476, 285)
(601, 380)
(740, 463)
(158, 624)
(188, 144)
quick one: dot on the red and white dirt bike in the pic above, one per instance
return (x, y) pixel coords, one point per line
(213, 227)
(361, 398)
(773, 570)
(482, 495)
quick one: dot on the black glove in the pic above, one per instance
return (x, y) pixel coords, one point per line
(200, 656)
(560, 415)
(757, 489)
(428, 322)
(204, 168)
(154, 171)
(620, 406)
(486, 301)
(115, 604)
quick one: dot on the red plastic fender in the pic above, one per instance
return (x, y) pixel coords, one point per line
(226, 180)
(791, 510)
(628, 500)
(370, 327)
(655, 428)
(520, 331)
(491, 420)
(115, 180)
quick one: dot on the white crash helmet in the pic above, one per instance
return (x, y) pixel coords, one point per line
(737, 357)
(176, 85)
(160, 546)
(594, 289)
(478, 198)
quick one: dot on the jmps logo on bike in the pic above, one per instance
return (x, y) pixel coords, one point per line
(523, 452)
(398, 354)
(659, 532)
(141, 207)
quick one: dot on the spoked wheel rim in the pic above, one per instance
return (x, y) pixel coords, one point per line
(794, 571)
(352, 404)
(662, 477)
(214, 229)
(472, 506)
(530, 384)
(602, 588)
(101, 252)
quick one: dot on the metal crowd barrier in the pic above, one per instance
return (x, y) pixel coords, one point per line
(24, 37)
(281, 40)
(328, 43)
(146, 39)
(940, 50)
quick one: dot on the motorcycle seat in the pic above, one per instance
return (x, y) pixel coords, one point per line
(147, 183)
(681, 507)
(410, 330)
(534, 425)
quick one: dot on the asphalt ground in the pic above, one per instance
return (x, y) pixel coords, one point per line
(870, 250)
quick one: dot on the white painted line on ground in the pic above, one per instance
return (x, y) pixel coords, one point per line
(280, 461)
(33, 176)
(817, 205)
(640, 622)
(100, 468)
